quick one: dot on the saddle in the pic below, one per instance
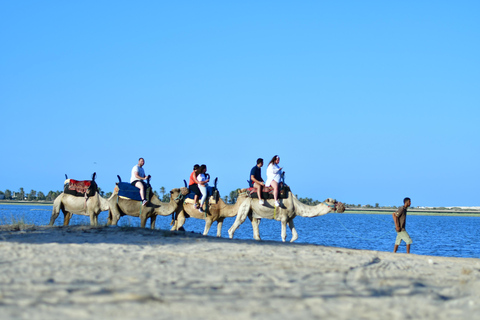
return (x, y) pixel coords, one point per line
(126, 191)
(191, 195)
(210, 192)
(80, 188)
(267, 192)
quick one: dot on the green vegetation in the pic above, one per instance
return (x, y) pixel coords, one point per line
(18, 223)
(20, 197)
(33, 195)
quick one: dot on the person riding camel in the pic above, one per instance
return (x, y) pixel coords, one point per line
(274, 173)
(256, 180)
(138, 178)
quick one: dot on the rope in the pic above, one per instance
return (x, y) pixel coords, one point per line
(370, 239)
(328, 205)
(179, 197)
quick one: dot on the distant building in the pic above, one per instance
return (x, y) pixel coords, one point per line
(2, 196)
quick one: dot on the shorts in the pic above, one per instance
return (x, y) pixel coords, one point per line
(403, 235)
(133, 183)
(194, 188)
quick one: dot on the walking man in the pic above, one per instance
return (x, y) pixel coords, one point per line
(400, 218)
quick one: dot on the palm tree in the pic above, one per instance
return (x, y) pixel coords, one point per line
(162, 191)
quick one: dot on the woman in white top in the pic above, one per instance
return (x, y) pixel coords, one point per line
(273, 177)
(203, 179)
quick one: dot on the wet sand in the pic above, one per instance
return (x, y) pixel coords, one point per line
(83, 272)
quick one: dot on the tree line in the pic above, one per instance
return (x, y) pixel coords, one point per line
(164, 196)
(34, 195)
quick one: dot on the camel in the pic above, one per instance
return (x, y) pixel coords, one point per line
(217, 211)
(120, 207)
(289, 208)
(70, 204)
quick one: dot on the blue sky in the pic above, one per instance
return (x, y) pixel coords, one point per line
(364, 101)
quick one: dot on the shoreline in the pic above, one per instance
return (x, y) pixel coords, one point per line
(412, 211)
(419, 212)
(83, 272)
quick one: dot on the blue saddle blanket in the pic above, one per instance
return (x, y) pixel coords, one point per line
(126, 190)
(191, 195)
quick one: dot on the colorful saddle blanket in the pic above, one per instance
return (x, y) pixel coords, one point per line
(80, 188)
(267, 192)
(126, 190)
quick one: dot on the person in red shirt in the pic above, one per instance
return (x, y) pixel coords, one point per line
(193, 184)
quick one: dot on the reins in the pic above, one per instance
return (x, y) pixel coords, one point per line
(370, 239)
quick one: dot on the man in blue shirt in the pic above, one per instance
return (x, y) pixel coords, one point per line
(256, 180)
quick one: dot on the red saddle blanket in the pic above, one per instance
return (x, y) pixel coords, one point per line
(267, 192)
(80, 188)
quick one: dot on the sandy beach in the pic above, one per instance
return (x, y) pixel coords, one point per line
(83, 272)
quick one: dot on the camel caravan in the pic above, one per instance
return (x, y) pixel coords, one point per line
(272, 199)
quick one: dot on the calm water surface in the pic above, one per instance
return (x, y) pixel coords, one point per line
(432, 235)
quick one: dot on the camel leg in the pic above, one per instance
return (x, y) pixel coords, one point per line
(180, 220)
(55, 213)
(294, 231)
(109, 218)
(208, 224)
(66, 217)
(219, 228)
(284, 230)
(243, 212)
(255, 228)
(152, 221)
(174, 221)
(92, 219)
(143, 221)
(238, 221)
(113, 215)
(57, 206)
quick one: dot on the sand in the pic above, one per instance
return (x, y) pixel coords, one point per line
(83, 272)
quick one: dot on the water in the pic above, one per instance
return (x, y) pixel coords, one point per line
(449, 236)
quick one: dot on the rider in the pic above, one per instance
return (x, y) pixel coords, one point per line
(256, 180)
(138, 177)
(193, 185)
(203, 179)
(274, 173)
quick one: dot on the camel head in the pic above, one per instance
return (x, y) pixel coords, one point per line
(337, 206)
(178, 194)
(242, 194)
